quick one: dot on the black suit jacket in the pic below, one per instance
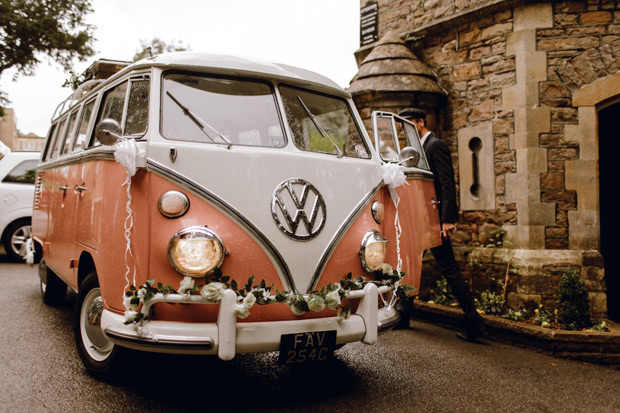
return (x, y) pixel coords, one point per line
(440, 161)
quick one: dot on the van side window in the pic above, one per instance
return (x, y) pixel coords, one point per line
(83, 126)
(50, 142)
(59, 139)
(137, 108)
(135, 101)
(70, 133)
(113, 103)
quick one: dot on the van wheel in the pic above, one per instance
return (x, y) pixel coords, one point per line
(53, 289)
(100, 356)
(15, 239)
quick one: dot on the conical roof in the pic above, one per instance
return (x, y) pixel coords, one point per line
(392, 67)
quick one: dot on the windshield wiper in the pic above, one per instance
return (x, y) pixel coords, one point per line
(199, 122)
(320, 127)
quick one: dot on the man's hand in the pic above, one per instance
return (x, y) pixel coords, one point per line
(447, 229)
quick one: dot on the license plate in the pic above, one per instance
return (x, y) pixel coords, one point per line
(304, 347)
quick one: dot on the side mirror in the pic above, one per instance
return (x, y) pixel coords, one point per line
(108, 132)
(409, 157)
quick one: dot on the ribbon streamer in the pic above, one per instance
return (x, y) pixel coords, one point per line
(393, 177)
(125, 153)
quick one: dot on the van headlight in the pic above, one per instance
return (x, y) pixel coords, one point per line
(195, 251)
(372, 252)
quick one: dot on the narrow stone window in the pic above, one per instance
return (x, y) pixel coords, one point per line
(476, 167)
(475, 145)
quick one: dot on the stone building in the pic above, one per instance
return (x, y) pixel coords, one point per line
(10, 137)
(525, 93)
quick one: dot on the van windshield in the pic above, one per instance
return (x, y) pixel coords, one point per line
(322, 123)
(220, 110)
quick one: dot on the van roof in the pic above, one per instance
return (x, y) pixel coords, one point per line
(236, 65)
(217, 64)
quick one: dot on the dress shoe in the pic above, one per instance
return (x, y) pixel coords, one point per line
(472, 336)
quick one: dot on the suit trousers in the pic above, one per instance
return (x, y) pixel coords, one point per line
(444, 256)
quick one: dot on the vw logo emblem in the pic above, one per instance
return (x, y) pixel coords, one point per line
(296, 202)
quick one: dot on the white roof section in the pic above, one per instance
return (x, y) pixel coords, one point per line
(236, 65)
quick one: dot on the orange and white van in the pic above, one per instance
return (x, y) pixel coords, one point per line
(204, 204)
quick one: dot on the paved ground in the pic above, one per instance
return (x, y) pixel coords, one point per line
(421, 369)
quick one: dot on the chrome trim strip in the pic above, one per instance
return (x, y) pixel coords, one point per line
(190, 185)
(197, 343)
(426, 176)
(100, 153)
(340, 234)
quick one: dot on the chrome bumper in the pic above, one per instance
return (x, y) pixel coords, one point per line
(227, 337)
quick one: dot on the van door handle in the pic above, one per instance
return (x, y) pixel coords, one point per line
(435, 202)
(80, 188)
(63, 188)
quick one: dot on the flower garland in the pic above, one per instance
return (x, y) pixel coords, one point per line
(330, 296)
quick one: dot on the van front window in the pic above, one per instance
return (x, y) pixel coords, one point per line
(322, 123)
(220, 110)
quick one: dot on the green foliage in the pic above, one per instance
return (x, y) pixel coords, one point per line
(442, 294)
(157, 46)
(599, 326)
(543, 317)
(55, 28)
(573, 304)
(514, 314)
(490, 303)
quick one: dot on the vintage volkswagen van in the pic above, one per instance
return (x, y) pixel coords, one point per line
(204, 204)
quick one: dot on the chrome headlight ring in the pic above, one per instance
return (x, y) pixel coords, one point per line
(373, 250)
(196, 251)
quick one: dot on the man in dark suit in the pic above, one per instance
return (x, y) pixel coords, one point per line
(440, 162)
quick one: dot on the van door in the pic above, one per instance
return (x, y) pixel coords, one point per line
(61, 254)
(397, 142)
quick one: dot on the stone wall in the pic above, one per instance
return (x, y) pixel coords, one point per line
(473, 47)
(532, 73)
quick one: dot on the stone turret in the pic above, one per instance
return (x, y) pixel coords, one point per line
(392, 78)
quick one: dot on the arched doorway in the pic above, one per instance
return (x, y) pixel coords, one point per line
(609, 176)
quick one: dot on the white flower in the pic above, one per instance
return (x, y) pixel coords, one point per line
(130, 316)
(241, 311)
(213, 291)
(249, 300)
(316, 303)
(141, 293)
(187, 283)
(128, 304)
(332, 299)
(261, 293)
(387, 269)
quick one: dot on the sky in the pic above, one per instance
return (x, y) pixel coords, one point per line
(319, 35)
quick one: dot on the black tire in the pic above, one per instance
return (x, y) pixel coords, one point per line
(15, 238)
(53, 289)
(101, 357)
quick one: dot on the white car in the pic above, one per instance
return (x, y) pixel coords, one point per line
(17, 175)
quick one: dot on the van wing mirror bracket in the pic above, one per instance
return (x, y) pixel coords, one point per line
(108, 132)
(409, 157)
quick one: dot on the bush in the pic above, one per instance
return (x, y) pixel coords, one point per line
(573, 304)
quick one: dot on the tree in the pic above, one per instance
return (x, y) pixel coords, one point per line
(157, 46)
(31, 29)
